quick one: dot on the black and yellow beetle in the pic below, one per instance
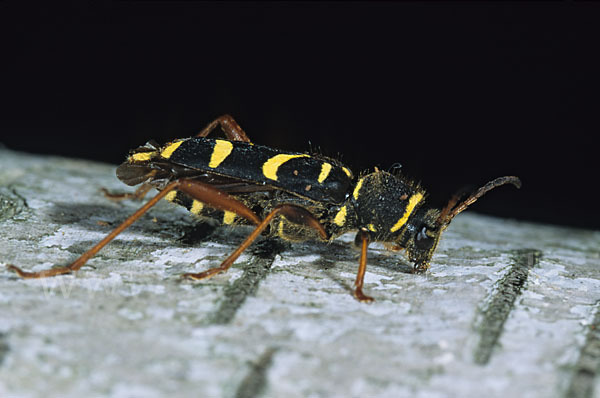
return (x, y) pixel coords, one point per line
(295, 196)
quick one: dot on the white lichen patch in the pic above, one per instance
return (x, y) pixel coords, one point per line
(370, 278)
(130, 314)
(181, 255)
(286, 261)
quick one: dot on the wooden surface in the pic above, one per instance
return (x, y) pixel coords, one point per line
(507, 309)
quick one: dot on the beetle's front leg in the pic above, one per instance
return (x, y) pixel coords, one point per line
(363, 238)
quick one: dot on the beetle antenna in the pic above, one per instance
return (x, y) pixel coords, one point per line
(452, 209)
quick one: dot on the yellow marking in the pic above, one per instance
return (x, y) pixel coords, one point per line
(412, 203)
(340, 217)
(357, 188)
(325, 170)
(280, 229)
(142, 156)
(228, 217)
(221, 150)
(171, 196)
(371, 228)
(348, 172)
(168, 151)
(196, 207)
(271, 166)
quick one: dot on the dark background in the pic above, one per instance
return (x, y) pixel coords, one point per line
(458, 93)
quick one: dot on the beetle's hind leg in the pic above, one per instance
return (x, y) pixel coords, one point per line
(197, 190)
(139, 193)
(232, 130)
(293, 213)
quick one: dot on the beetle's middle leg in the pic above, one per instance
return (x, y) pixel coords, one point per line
(293, 213)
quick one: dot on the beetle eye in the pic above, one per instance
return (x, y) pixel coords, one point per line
(422, 234)
(425, 239)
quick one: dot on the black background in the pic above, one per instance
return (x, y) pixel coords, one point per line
(458, 93)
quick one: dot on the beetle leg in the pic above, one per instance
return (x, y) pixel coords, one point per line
(293, 213)
(197, 190)
(232, 130)
(137, 195)
(362, 268)
(394, 247)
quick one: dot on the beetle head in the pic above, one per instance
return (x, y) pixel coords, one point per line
(428, 227)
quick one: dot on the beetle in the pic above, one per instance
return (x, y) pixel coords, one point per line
(293, 195)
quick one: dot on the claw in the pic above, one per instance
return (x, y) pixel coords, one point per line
(203, 275)
(363, 298)
(40, 274)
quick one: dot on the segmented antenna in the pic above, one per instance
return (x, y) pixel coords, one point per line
(452, 209)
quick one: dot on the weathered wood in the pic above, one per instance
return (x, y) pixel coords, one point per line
(508, 308)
